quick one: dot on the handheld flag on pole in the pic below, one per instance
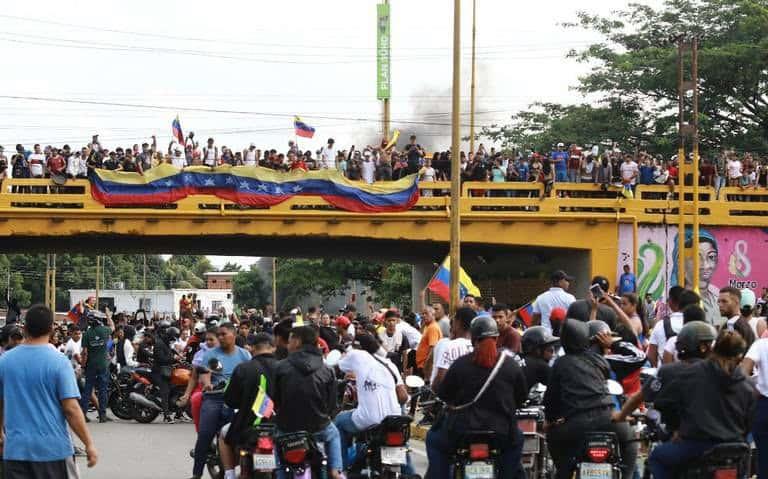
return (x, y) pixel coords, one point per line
(440, 283)
(262, 407)
(176, 130)
(525, 313)
(302, 129)
(394, 139)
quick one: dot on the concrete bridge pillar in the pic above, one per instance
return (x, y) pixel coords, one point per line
(421, 273)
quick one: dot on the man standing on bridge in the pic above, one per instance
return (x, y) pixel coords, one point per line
(557, 296)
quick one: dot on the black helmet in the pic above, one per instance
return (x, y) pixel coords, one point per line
(164, 324)
(172, 334)
(693, 334)
(574, 336)
(596, 327)
(581, 310)
(537, 337)
(483, 326)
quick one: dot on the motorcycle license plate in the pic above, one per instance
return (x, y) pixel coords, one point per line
(264, 462)
(479, 470)
(589, 470)
(725, 474)
(393, 456)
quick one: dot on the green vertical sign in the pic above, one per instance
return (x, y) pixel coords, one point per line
(382, 52)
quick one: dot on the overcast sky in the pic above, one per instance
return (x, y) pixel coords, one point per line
(261, 62)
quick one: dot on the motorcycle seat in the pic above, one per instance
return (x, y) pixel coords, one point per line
(145, 372)
(726, 450)
(389, 423)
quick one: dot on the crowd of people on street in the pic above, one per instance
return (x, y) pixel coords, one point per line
(481, 362)
(383, 162)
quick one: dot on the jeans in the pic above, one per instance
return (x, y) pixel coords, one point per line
(760, 433)
(331, 442)
(100, 379)
(574, 176)
(561, 175)
(442, 442)
(213, 415)
(347, 430)
(667, 457)
(164, 385)
(565, 441)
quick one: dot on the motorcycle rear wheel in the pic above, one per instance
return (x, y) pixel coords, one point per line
(145, 415)
(121, 407)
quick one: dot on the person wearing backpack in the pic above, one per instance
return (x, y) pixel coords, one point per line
(482, 390)
(665, 327)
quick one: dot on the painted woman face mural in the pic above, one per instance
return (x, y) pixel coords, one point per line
(708, 258)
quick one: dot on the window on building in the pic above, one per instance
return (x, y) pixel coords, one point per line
(215, 305)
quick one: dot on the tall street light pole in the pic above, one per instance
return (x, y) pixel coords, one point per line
(456, 160)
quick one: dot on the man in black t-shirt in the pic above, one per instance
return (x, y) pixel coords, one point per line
(415, 155)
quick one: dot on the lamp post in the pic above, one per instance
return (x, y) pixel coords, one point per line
(456, 160)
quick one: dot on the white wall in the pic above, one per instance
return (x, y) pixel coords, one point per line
(162, 301)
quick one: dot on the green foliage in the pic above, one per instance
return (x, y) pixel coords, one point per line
(299, 278)
(633, 76)
(249, 289)
(232, 267)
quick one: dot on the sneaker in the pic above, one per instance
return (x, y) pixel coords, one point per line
(169, 420)
(87, 419)
(103, 419)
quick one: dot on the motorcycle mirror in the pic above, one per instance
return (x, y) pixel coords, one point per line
(215, 365)
(414, 382)
(332, 359)
(614, 388)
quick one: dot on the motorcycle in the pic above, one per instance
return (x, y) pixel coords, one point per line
(382, 449)
(145, 395)
(119, 389)
(300, 456)
(599, 457)
(530, 420)
(257, 454)
(477, 456)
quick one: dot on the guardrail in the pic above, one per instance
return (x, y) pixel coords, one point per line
(652, 204)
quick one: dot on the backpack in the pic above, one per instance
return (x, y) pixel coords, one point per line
(668, 331)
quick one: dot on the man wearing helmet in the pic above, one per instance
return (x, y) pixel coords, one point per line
(467, 410)
(577, 401)
(538, 350)
(162, 366)
(197, 338)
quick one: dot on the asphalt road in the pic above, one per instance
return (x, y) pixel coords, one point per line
(128, 450)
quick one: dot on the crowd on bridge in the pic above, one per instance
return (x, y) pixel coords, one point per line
(384, 162)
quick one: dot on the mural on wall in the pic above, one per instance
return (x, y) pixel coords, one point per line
(727, 257)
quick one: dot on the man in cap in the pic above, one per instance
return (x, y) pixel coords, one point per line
(328, 156)
(557, 296)
(560, 161)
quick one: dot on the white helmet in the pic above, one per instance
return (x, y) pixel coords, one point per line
(199, 327)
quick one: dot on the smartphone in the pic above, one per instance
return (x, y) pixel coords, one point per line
(596, 291)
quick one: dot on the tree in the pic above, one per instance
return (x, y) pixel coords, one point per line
(546, 124)
(232, 267)
(249, 289)
(636, 61)
(197, 264)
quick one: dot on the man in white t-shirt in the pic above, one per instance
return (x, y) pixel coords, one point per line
(734, 171)
(37, 163)
(665, 327)
(691, 313)
(368, 167)
(327, 160)
(377, 379)
(557, 296)
(449, 350)
(74, 347)
(629, 171)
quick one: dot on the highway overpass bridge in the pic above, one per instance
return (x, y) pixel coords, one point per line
(507, 228)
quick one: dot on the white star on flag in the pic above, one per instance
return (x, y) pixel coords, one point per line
(169, 183)
(278, 190)
(209, 182)
(296, 188)
(244, 185)
(229, 180)
(262, 187)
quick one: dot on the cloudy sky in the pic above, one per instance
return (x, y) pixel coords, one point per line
(239, 71)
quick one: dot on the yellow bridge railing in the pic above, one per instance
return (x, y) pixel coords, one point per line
(652, 204)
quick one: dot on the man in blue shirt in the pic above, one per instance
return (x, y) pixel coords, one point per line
(627, 282)
(560, 160)
(38, 398)
(213, 412)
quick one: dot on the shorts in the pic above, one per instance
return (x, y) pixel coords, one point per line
(64, 469)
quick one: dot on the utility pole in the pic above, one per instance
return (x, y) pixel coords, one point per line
(48, 279)
(681, 165)
(98, 275)
(695, 133)
(456, 161)
(53, 284)
(274, 284)
(472, 85)
(144, 283)
(688, 130)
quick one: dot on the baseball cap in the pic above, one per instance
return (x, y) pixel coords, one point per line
(559, 275)
(557, 314)
(748, 298)
(560, 144)
(342, 321)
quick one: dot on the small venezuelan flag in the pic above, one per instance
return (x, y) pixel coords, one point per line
(302, 129)
(176, 130)
(262, 407)
(76, 312)
(440, 283)
(525, 313)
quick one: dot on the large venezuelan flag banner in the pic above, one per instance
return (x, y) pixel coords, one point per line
(251, 186)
